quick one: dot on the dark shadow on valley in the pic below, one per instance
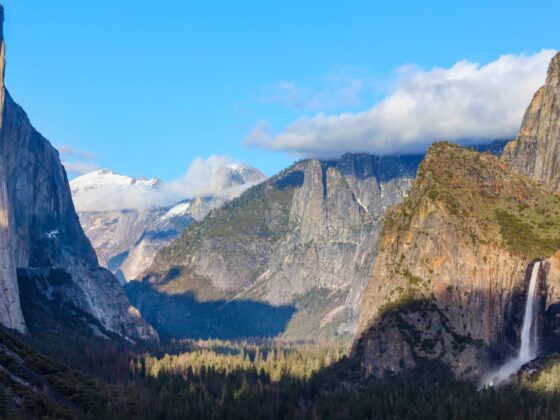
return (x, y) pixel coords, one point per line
(430, 389)
(185, 316)
(338, 390)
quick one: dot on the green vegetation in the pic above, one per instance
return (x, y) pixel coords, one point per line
(404, 300)
(193, 283)
(268, 379)
(39, 387)
(547, 378)
(413, 280)
(311, 310)
(487, 201)
(527, 234)
(246, 213)
(241, 233)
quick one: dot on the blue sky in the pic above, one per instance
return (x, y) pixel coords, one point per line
(145, 87)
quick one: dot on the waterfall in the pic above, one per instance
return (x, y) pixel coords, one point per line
(528, 350)
(529, 340)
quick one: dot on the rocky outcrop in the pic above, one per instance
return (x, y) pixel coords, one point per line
(46, 229)
(451, 271)
(126, 240)
(331, 244)
(305, 239)
(536, 149)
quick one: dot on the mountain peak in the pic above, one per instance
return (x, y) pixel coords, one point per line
(555, 63)
(104, 178)
(246, 172)
(537, 144)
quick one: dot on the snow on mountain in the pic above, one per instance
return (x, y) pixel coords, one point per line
(105, 190)
(178, 210)
(129, 220)
(106, 177)
(247, 173)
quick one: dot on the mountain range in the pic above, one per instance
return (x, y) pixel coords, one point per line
(447, 261)
(127, 239)
(294, 249)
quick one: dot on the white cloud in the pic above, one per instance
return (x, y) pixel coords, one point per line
(466, 101)
(204, 177)
(106, 190)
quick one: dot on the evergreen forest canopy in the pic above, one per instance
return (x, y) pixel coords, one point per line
(219, 379)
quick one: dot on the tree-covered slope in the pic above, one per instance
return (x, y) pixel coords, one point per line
(289, 256)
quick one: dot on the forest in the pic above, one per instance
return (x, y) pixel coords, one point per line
(219, 379)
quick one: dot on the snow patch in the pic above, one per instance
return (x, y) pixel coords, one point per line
(52, 234)
(181, 209)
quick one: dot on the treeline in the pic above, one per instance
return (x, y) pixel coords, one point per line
(274, 379)
(274, 359)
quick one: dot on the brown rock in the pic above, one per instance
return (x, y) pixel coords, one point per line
(536, 149)
(449, 271)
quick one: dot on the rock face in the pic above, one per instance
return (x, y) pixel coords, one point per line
(452, 270)
(43, 230)
(10, 309)
(550, 309)
(536, 149)
(127, 240)
(300, 245)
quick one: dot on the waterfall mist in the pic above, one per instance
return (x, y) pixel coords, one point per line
(529, 340)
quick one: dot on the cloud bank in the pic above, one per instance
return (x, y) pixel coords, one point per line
(217, 176)
(467, 101)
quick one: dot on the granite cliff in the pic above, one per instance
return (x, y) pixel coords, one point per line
(451, 274)
(10, 309)
(536, 148)
(290, 255)
(43, 238)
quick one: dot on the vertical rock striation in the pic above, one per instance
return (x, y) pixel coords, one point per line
(10, 309)
(450, 277)
(331, 244)
(43, 232)
(304, 239)
(536, 149)
(452, 273)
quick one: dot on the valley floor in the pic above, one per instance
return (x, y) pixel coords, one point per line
(98, 378)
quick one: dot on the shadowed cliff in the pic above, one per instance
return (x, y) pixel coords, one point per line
(460, 244)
